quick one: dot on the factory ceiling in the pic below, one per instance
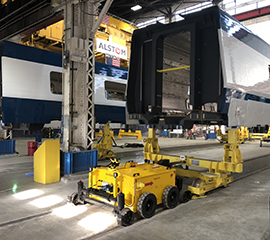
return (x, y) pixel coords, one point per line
(37, 13)
(148, 8)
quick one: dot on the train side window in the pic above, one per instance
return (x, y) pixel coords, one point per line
(115, 91)
(56, 82)
(252, 97)
(267, 100)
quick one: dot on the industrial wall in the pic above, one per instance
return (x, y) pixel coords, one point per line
(176, 83)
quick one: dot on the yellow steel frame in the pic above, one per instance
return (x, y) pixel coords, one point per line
(137, 134)
(105, 145)
(218, 173)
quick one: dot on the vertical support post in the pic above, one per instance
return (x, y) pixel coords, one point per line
(90, 84)
(66, 86)
(79, 72)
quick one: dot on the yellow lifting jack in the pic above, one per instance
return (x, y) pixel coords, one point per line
(105, 143)
(151, 143)
(242, 135)
(221, 137)
(219, 172)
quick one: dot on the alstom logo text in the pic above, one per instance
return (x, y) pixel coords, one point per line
(111, 48)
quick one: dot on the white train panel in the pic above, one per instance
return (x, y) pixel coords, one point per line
(24, 79)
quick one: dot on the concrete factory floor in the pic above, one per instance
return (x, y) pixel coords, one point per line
(36, 211)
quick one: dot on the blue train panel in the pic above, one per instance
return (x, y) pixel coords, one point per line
(110, 71)
(17, 110)
(18, 51)
(105, 114)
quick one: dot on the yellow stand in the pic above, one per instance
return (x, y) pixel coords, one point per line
(100, 134)
(151, 143)
(105, 144)
(221, 137)
(137, 134)
(242, 135)
(47, 162)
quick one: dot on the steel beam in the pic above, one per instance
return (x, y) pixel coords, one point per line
(253, 14)
(25, 22)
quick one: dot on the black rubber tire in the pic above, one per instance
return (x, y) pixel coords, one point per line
(179, 181)
(147, 205)
(170, 197)
(74, 199)
(185, 196)
(127, 217)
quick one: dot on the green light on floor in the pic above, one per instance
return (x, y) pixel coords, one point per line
(14, 188)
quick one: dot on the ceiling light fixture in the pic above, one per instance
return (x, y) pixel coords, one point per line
(137, 7)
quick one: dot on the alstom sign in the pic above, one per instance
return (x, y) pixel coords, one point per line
(110, 48)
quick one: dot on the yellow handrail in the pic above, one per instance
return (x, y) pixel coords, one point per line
(173, 69)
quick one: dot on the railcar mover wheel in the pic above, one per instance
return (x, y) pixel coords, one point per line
(147, 205)
(127, 217)
(185, 196)
(170, 197)
(74, 198)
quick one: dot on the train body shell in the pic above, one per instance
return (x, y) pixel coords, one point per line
(31, 91)
(227, 82)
